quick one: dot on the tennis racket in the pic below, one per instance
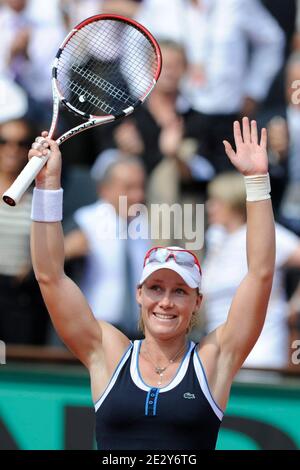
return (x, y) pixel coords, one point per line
(104, 69)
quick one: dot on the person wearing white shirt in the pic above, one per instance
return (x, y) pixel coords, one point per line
(181, 21)
(217, 35)
(29, 42)
(284, 140)
(112, 257)
(230, 75)
(75, 11)
(225, 266)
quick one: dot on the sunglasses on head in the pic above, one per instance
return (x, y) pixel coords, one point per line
(162, 254)
(25, 143)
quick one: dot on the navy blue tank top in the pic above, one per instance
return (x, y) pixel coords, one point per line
(131, 415)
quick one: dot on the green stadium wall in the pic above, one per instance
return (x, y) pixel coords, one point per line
(50, 407)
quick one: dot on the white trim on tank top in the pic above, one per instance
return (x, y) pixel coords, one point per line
(113, 380)
(136, 375)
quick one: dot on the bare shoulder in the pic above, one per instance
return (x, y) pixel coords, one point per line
(209, 353)
(114, 344)
(216, 367)
(113, 347)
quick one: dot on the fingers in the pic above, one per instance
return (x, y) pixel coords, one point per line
(263, 138)
(40, 146)
(246, 131)
(229, 150)
(53, 145)
(254, 135)
(38, 153)
(248, 135)
(41, 138)
(238, 140)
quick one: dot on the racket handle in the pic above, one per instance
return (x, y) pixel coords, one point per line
(14, 193)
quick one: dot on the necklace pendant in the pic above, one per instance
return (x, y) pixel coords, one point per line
(160, 370)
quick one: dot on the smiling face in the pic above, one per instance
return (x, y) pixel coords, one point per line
(167, 303)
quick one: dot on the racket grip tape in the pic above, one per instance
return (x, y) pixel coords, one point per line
(15, 192)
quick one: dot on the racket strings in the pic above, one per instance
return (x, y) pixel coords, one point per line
(104, 85)
(106, 67)
(132, 45)
(93, 99)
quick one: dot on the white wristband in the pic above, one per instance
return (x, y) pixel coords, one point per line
(47, 205)
(258, 187)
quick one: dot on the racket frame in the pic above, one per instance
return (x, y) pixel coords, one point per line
(15, 192)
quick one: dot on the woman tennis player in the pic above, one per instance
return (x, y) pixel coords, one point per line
(163, 392)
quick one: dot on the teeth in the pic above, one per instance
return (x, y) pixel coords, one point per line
(164, 317)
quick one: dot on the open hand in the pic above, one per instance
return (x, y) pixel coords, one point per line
(250, 157)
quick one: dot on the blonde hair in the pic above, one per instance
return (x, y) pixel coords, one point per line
(229, 187)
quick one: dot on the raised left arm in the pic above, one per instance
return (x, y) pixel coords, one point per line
(247, 313)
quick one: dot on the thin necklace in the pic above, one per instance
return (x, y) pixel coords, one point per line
(161, 370)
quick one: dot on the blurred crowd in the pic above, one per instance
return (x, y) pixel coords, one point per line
(222, 59)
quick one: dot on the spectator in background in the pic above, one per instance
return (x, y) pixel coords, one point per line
(158, 129)
(75, 11)
(285, 145)
(30, 37)
(121, 7)
(278, 159)
(224, 79)
(85, 148)
(164, 133)
(296, 42)
(118, 260)
(225, 267)
(285, 14)
(23, 317)
(181, 21)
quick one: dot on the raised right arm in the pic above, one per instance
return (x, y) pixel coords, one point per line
(68, 308)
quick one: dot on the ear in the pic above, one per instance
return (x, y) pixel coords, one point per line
(138, 295)
(199, 301)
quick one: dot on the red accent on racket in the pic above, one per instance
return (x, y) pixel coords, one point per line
(104, 69)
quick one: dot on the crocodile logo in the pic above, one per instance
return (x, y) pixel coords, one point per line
(189, 396)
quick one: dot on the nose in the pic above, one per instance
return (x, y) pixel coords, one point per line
(166, 302)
